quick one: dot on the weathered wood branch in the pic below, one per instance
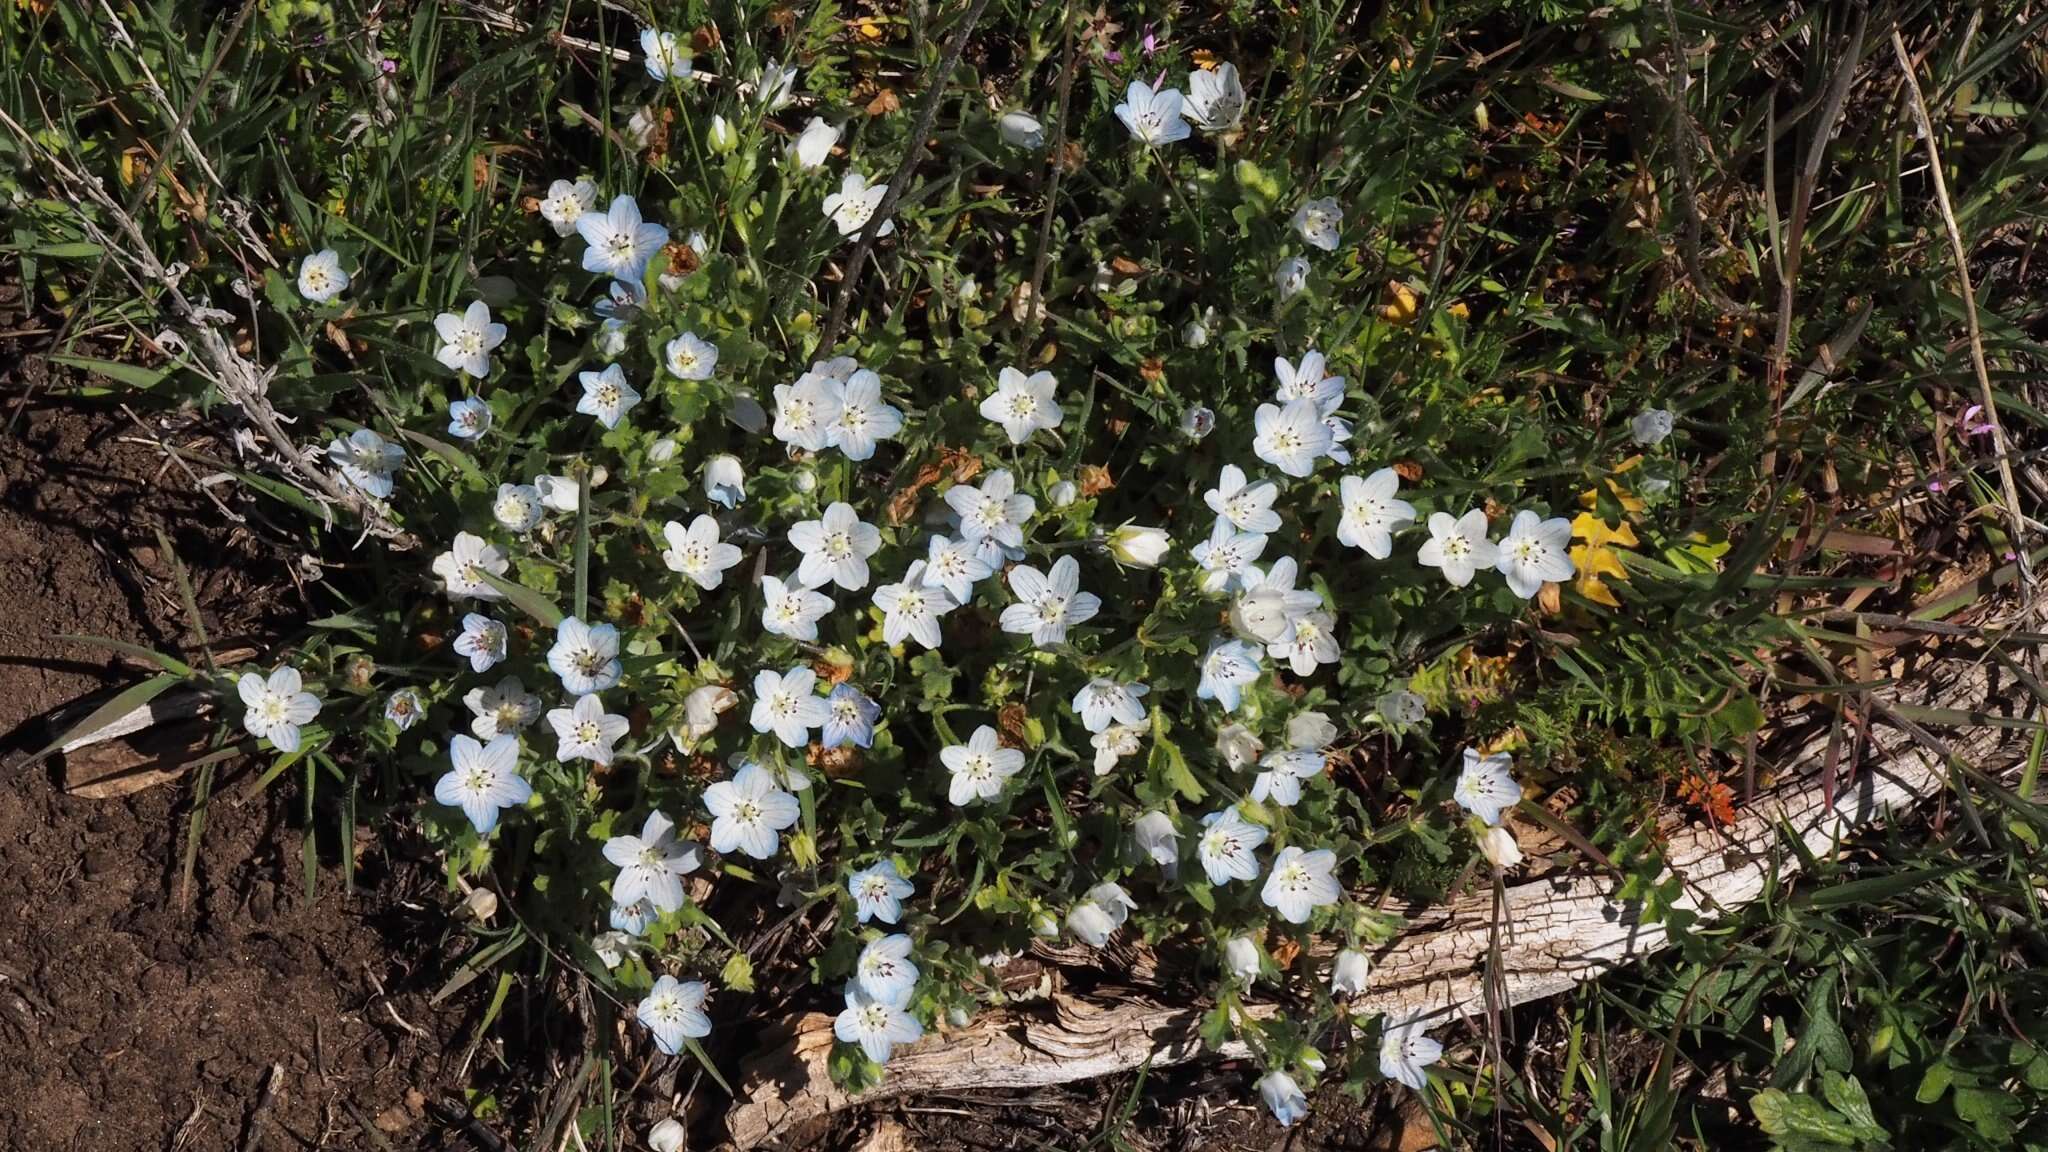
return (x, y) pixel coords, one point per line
(1561, 931)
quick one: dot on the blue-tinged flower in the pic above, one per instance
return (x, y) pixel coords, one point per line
(482, 640)
(320, 276)
(1226, 847)
(1227, 667)
(586, 731)
(674, 1013)
(667, 58)
(651, 865)
(467, 339)
(403, 708)
(618, 243)
(876, 1025)
(1153, 117)
(1284, 1097)
(852, 718)
(484, 778)
(1487, 786)
(1300, 882)
(1406, 1054)
(606, 395)
(748, 811)
(468, 418)
(585, 656)
(885, 970)
(878, 892)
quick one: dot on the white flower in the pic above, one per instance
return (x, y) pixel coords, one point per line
(1457, 546)
(1310, 730)
(1157, 839)
(1270, 607)
(1049, 603)
(617, 242)
(661, 451)
(1103, 701)
(1340, 433)
(482, 640)
(1291, 277)
(690, 358)
(504, 708)
(1308, 381)
(1238, 747)
(1023, 404)
(1401, 707)
(911, 609)
(836, 548)
(1300, 882)
(885, 971)
(565, 203)
(1226, 847)
(1245, 507)
(1320, 222)
(772, 85)
(1195, 333)
(1021, 130)
(1241, 959)
(1226, 559)
(320, 276)
(701, 710)
(1312, 641)
(860, 417)
(697, 553)
(792, 610)
(876, 1025)
(1285, 769)
(586, 731)
(484, 779)
(1405, 1052)
(468, 418)
(277, 707)
(1215, 100)
(1137, 546)
(1114, 743)
(461, 568)
(725, 482)
(1535, 551)
(1291, 438)
(666, 56)
(748, 810)
(651, 865)
(1487, 786)
(1197, 422)
(674, 1012)
(559, 492)
(995, 510)
(1349, 973)
(1102, 911)
(952, 565)
(1152, 117)
(814, 144)
(1371, 513)
(785, 705)
(805, 410)
(667, 1136)
(1227, 667)
(1499, 847)
(606, 395)
(467, 340)
(878, 892)
(367, 461)
(979, 767)
(1283, 1096)
(403, 708)
(1648, 429)
(850, 208)
(585, 656)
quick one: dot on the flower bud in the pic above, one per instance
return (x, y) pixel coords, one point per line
(1500, 848)
(1241, 958)
(1021, 130)
(663, 451)
(666, 1136)
(1063, 494)
(1348, 976)
(725, 482)
(722, 137)
(1137, 546)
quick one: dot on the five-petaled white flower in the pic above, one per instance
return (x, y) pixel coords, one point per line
(854, 204)
(585, 656)
(1226, 558)
(1308, 380)
(953, 565)
(1648, 429)
(403, 708)
(805, 410)
(606, 395)
(1114, 743)
(1372, 513)
(367, 461)
(565, 203)
(690, 358)
(1534, 552)
(813, 146)
(674, 1013)
(979, 767)
(697, 553)
(725, 482)
(878, 892)
(1215, 101)
(1457, 545)
(320, 276)
(860, 416)
(482, 640)
(785, 705)
(748, 810)
(1158, 840)
(852, 719)
(1049, 603)
(772, 85)
(1300, 882)
(1103, 701)
(1487, 786)
(617, 242)
(277, 707)
(876, 1025)
(1227, 667)
(467, 339)
(1406, 1054)
(1320, 222)
(1023, 404)
(586, 731)
(792, 610)
(517, 508)
(484, 779)
(1291, 277)
(1226, 847)
(836, 547)
(1284, 1097)
(885, 970)
(911, 609)
(1291, 437)
(1153, 117)
(666, 55)
(500, 709)
(651, 865)
(994, 511)
(1311, 641)
(1245, 507)
(468, 418)
(462, 567)
(1283, 772)
(1099, 913)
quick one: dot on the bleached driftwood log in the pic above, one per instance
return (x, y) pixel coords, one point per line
(1563, 930)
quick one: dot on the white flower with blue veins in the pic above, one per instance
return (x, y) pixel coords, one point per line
(276, 706)
(1227, 667)
(1023, 404)
(1487, 786)
(517, 507)
(1284, 1097)
(785, 704)
(503, 708)
(606, 395)
(885, 970)
(911, 608)
(994, 510)
(1282, 775)
(852, 718)
(467, 339)
(954, 566)
(1535, 552)
(1406, 1054)
(878, 892)
(1308, 381)
(1320, 222)
(979, 767)
(468, 418)
(1372, 513)
(1244, 506)
(850, 208)
(1226, 847)
(1310, 643)
(1049, 603)
(690, 358)
(482, 780)
(877, 1026)
(1226, 559)
(565, 203)
(1102, 702)
(482, 641)
(1457, 546)
(667, 58)
(835, 547)
(805, 410)
(585, 656)
(1291, 437)
(861, 418)
(585, 731)
(1116, 742)
(674, 1013)
(320, 276)
(462, 568)
(1152, 116)
(651, 865)
(1301, 882)
(367, 461)
(633, 919)
(617, 242)
(697, 553)
(748, 811)
(792, 610)
(1215, 100)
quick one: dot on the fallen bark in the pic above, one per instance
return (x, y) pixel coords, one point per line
(1562, 930)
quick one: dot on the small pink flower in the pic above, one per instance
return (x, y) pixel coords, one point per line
(1152, 44)
(1972, 426)
(1935, 485)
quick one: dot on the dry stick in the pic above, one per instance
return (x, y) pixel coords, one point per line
(1052, 193)
(900, 180)
(1682, 134)
(1962, 257)
(252, 1132)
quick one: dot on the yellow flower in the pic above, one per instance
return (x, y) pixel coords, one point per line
(1597, 559)
(1629, 501)
(1401, 303)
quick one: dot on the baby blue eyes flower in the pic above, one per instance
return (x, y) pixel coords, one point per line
(368, 461)
(878, 892)
(1300, 882)
(852, 718)
(748, 811)
(666, 56)
(1291, 437)
(585, 656)
(618, 243)
(850, 208)
(467, 339)
(1406, 1054)
(1372, 513)
(785, 704)
(1102, 702)
(697, 553)
(1486, 786)
(1021, 130)
(1320, 222)
(792, 610)
(651, 866)
(633, 919)
(911, 608)
(1291, 277)
(1348, 975)
(586, 731)
(979, 767)
(1100, 913)
(1215, 101)
(518, 507)
(877, 1026)
(689, 358)
(483, 779)
(885, 971)
(773, 85)
(813, 146)
(1535, 552)
(1227, 667)
(953, 566)
(277, 706)
(502, 708)
(1023, 404)
(1226, 847)
(403, 709)
(835, 548)
(320, 276)
(566, 203)
(1457, 546)
(674, 1013)
(1650, 427)
(725, 482)
(1284, 1097)
(606, 395)
(1153, 117)
(468, 418)
(482, 641)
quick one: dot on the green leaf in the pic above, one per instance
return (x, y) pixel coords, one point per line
(167, 663)
(1169, 764)
(133, 375)
(1797, 1117)
(127, 700)
(1934, 1083)
(526, 599)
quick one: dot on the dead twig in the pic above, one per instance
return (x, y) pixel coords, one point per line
(1052, 192)
(252, 1129)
